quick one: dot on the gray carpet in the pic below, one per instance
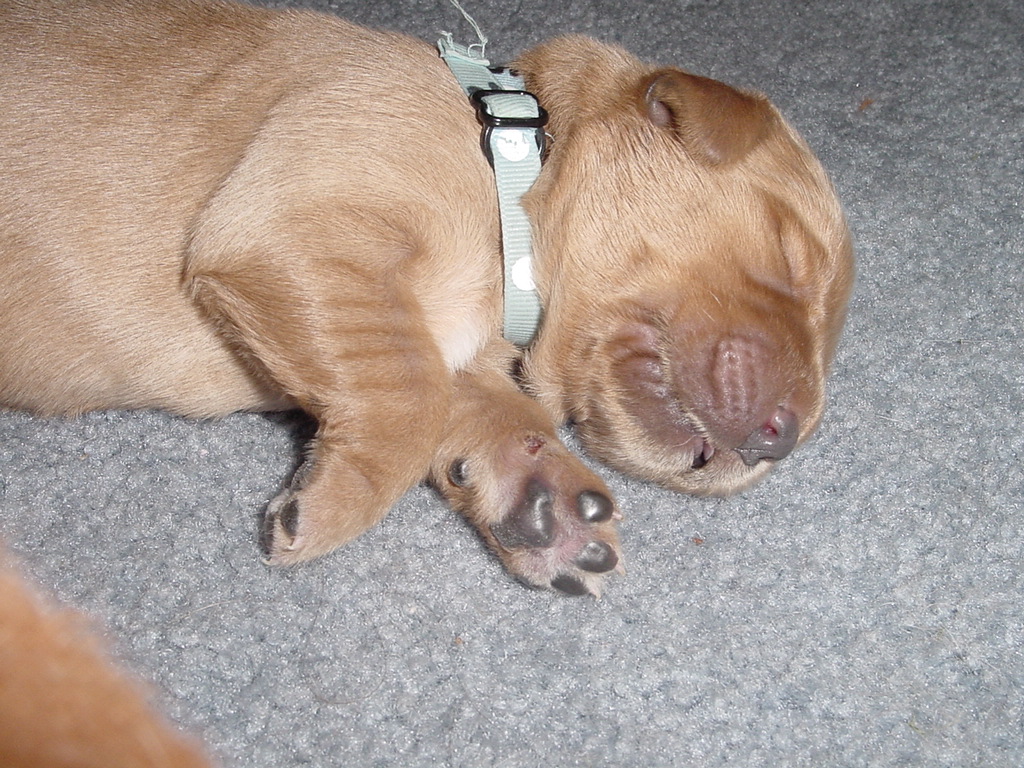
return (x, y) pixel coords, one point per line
(863, 607)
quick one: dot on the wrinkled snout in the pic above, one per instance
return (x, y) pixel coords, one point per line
(739, 388)
(716, 406)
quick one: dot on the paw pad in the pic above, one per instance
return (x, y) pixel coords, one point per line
(458, 473)
(288, 517)
(531, 523)
(570, 585)
(597, 557)
(280, 525)
(594, 507)
(560, 543)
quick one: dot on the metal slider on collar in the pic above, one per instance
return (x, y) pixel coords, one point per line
(493, 121)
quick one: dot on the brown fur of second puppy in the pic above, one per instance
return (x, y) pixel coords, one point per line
(64, 703)
(209, 207)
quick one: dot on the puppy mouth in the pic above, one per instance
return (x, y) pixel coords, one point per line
(666, 446)
(702, 454)
(771, 442)
(648, 399)
(673, 447)
(698, 452)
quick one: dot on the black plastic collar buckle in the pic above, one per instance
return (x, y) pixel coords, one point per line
(492, 121)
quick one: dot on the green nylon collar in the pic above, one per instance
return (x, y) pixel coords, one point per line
(513, 140)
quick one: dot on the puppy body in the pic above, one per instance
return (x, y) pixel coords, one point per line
(143, 141)
(210, 207)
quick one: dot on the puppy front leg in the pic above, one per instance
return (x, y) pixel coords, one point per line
(345, 339)
(501, 464)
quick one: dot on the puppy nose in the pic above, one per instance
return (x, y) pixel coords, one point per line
(775, 439)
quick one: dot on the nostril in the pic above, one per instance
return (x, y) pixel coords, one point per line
(775, 439)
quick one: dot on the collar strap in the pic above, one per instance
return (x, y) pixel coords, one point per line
(513, 141)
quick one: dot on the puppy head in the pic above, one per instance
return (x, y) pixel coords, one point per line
(694, 266)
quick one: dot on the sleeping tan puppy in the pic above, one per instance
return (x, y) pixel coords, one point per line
(209, 207)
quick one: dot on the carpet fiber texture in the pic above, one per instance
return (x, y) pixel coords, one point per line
(863, 607)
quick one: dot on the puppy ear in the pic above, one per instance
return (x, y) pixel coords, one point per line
(578, 79)
(716, 123)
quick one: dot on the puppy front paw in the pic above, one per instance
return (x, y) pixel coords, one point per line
(550, 520)
(559, 541)
(328, 503)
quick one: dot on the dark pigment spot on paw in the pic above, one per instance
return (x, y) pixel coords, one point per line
(594, 507)
(597, 557)
(531, 523)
